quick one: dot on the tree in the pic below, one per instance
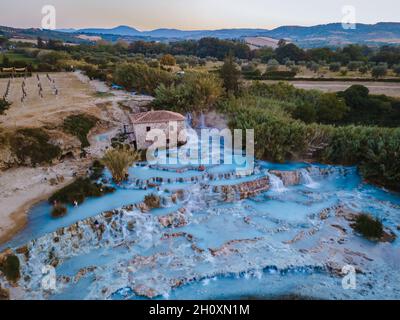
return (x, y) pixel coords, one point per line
(363, 69)
(379, 71)
(335, 67)
(168, 60)
(230, 75)
(356, 96)
(396, 69)
(40, 43)
(250, 71)
(52, 57)
(3, 41)
(314, 67)
(281, 43)
(305, 112)
(354, 65)
(197, 92)
(140, 77)
(330, 108)
(118, 162)
(319, 54)
(265, 54)
(289, 51)
(4, 105)
(272, 65)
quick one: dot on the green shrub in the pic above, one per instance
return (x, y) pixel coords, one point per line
(10, 267)
(4, 105)
(368, 226)
(379, 71)
(33, 144)
(280, 138)
(80, 125)
(58, 211)
(335, 67)
(152, 201)
(78, 191)
(141, 77)
(96, 170)
(279, 75)
(197, 92)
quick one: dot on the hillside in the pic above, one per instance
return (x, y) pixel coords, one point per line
(320, 35)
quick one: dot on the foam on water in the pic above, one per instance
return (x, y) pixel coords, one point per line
(276, 183)
(273, 243)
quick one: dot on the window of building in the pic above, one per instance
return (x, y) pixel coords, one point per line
(148, 129)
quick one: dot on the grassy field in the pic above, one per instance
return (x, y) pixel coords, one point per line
(387, 88)
(73, 95)
(19, 57)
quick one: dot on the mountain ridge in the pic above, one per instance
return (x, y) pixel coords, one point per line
(331, 34)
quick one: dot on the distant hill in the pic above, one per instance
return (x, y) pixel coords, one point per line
(170, 33)
(121, 30)
(332, 34)
(34, 33)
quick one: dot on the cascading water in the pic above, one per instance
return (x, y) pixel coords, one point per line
(201, 233)
(276, 184)
(202, 124)
(307, 180)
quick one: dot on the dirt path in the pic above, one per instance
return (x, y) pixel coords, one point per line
(388, 88)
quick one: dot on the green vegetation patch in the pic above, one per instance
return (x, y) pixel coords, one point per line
(368, 226)
(4, 105)
(96, 170)
(58, 211)
(79, 190)
(32, 145)
(10, 266)
(280, 138)
(80, 125)
(140, 77)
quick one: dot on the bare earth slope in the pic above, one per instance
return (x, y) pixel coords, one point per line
(21, 187)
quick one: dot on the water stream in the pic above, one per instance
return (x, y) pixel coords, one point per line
(213, 240)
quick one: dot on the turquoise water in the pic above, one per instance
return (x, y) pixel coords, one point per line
(271, 244)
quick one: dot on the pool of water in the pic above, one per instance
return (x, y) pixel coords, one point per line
(271, 244)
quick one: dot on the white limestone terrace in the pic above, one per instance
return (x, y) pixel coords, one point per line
(293, 237)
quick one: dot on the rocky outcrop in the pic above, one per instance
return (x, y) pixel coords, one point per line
(351, 217)
(230, 247)
(244, 190)
(174, 220)
(144, 291)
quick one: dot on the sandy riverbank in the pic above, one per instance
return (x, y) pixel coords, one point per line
(23, 187)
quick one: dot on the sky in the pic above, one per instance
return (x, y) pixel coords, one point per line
(194, 14)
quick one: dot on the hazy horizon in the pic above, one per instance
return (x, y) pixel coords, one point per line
(191, 14)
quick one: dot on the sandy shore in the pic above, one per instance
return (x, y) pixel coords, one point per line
(22, 187)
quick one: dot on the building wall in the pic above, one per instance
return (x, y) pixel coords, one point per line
(141, 132)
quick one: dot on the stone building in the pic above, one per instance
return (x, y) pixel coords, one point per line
(171, 123)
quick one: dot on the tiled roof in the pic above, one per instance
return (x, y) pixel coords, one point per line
(156, 116)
